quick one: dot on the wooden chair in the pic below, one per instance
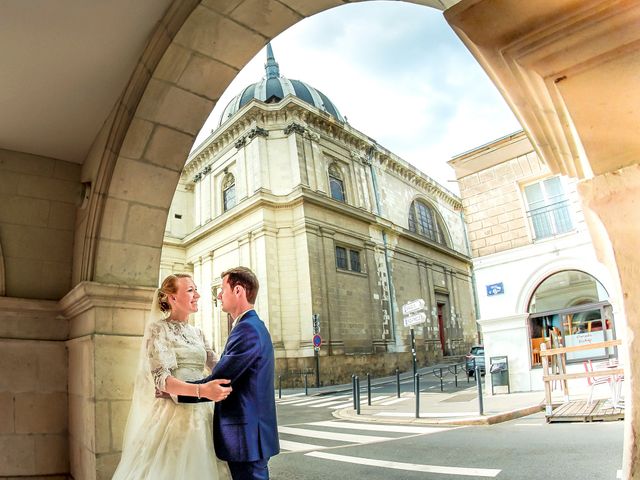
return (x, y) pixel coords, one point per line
(535, 351)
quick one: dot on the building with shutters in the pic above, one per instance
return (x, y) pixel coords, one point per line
(536, 269)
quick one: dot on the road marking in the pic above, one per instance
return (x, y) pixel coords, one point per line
(342, 405)
(291, 395)
(425, 415)
(391, 402)
(297, 446)
(292, 402)
(326, 404)
(412, 467)
(380, 428)
(311, 402)
(342, 437)
(528, 424)
(377, 399)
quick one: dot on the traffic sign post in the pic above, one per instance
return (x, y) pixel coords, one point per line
(317, 342)
(414, 315)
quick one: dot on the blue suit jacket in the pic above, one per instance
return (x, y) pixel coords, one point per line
(245, 425)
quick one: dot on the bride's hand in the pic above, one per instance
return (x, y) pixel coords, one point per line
(215, 390)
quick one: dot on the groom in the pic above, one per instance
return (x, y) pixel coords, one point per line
(245, 430)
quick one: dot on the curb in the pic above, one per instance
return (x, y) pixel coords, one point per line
(349, 414)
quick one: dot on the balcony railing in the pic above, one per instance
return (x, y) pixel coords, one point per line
(550, 220)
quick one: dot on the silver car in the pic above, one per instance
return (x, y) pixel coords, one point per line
(474, 358)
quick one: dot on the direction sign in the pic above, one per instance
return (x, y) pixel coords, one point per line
(415, 319)
(317, 341)
(412, 306)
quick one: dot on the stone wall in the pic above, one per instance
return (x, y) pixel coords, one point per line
(33, 390)
(38, 199)
(337, 369)
(492, 187)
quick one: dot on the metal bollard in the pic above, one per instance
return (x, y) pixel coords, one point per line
(368, 389)
(357, 395)
(353, 389)
(398, 382)
(455, 374)
(280, 386)
(416, 385)
(441, 381)
(306, 386)
(479, 382)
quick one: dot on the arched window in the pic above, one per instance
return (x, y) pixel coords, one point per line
(425, 221)
(228, 192)
(570, 308)
(336, 184)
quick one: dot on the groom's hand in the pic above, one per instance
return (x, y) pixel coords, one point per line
(215, 390)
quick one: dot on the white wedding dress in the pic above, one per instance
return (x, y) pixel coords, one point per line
(165, 439)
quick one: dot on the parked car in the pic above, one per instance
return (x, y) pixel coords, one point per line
(473, 358)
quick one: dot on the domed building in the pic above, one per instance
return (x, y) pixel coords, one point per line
(340, 232)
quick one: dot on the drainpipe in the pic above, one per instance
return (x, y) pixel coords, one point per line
(476, 303)
(384, 242)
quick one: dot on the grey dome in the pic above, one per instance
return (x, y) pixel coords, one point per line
(273, 88)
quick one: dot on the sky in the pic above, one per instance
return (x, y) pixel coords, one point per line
(398, 73)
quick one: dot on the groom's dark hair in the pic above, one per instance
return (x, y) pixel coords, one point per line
(245, 278)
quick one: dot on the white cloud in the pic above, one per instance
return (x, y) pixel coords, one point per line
(399, 74)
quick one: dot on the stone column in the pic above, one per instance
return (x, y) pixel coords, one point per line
(613, 197)
(33, 389)
(106, 323)
(206, 301)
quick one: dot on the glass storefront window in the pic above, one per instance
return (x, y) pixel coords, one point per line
(569, 308)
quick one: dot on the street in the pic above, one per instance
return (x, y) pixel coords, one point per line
(315, 445)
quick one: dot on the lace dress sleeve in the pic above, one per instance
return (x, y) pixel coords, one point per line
(212, 357)
(162, 358)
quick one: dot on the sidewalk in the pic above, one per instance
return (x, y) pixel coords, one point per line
(454, 407)
(447, 408)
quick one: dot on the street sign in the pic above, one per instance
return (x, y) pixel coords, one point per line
(317, 341)
(495, 289)
(316, 323)
(413, 306)
(415, 319)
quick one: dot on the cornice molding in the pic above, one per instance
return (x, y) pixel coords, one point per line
(292, 115)
(88, 295)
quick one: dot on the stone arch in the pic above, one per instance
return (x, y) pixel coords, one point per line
(172, 89)
(196, 51)
(536, 278)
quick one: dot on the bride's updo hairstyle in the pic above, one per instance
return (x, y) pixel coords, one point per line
(169, 287)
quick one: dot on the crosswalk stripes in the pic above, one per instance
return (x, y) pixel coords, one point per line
(332, 402)
(331, 434)
(326, 430)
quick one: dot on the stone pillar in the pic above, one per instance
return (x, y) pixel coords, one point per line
(33, 390)
(106, 323)
(206, 301)
(508, 336)
(330, 292)
(614, 199)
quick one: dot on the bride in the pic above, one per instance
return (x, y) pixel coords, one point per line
(164, 439)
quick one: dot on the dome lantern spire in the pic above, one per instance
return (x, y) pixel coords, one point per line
(271, 67)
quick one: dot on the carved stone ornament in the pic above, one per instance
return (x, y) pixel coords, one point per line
(197, 177)
(241, 142)
(257, 131)
(294, 128)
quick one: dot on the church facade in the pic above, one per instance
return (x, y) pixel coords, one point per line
(338, 230)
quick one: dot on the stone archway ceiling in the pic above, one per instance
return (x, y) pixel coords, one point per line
(569, 71)
(66, 63)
